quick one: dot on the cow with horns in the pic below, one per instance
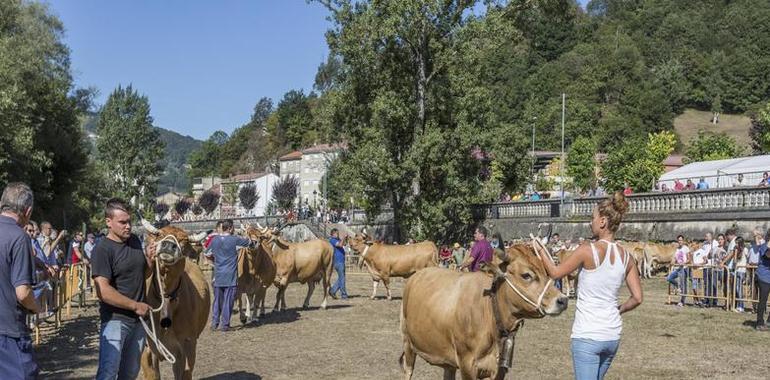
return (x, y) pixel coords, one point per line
(178, 286)
(384, 261)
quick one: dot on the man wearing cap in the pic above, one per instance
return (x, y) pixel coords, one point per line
(458, 254)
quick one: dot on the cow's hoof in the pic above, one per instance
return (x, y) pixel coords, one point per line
(243, 319)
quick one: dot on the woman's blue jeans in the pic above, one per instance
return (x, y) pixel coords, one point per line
(592, 358)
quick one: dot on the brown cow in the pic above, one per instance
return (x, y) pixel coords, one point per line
(448, 317)
(384, 261)
(306, 262)
(256, 272)
(184, 296)
(569, 283)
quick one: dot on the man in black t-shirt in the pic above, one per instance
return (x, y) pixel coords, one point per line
(118, 266)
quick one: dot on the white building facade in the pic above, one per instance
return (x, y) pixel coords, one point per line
(309, 166)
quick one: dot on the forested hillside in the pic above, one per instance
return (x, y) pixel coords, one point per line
(176, 149)
(437, 101)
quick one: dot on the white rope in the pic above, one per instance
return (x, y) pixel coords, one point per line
(539, 305)
(363, 254)
(151, 331)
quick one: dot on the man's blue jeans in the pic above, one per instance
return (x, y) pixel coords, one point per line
(339, 286)
(120, 350)
(17, 358)
(591, 358)
(224, 299)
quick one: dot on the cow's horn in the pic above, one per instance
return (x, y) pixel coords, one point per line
(199, 236)
(261, 229)
(149, 227)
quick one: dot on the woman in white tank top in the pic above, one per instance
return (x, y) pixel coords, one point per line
(604, 267)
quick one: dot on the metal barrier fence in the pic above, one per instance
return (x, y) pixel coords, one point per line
(68, 287)
(712, 285)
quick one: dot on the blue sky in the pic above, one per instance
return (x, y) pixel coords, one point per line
(202, 64)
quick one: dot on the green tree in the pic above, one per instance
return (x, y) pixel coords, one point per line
(248, 195)
(581, 164)
(638, 163)
(247, 150)
(129, 148)
(206, 161)
(760, 130)
(285, 192)
(41, 142)
(710, 146)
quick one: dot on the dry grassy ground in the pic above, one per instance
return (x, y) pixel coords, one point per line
(359, 339)
(691, 121)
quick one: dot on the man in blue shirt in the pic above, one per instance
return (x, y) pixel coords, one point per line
(17, 359)
(763, 277)
(339, 266)
(702, 184)
(224, 248)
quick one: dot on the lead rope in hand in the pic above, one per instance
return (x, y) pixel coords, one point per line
(151, 331)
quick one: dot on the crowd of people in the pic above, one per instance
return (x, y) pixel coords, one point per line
(36, 255)
(728, 268)
(689, 185)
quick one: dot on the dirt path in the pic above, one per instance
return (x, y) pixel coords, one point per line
(359, 339)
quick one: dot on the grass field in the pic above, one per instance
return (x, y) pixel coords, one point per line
(691, 121)
(360, 339)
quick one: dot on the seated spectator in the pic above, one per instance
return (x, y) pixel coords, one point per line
(738, 182)
(664, 188)
(627, 190)
(690, 185)
(702, 184)
(678, 185)
(765, 180)
(535, 196)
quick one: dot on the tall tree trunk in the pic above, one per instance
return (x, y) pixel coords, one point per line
(396, 205)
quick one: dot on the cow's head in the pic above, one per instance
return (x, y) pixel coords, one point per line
(172, 243)
(524, 283)
(359, 242)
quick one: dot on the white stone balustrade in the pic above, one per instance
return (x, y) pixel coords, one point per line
(740, 199)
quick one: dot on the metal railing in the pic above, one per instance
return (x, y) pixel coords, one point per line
(708, 284)
(67, 287)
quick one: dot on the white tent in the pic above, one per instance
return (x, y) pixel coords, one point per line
(720, 173)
